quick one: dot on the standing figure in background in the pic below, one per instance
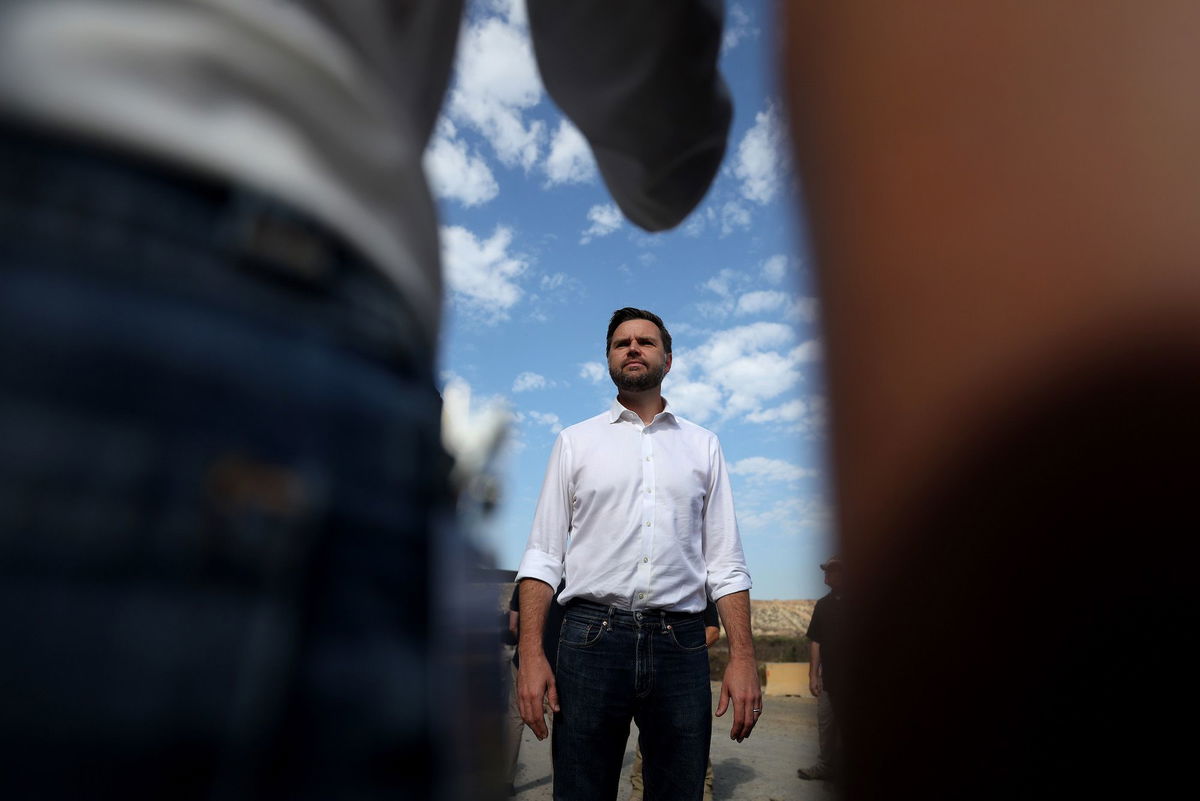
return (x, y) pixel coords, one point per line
(825, 668)
(644, 498)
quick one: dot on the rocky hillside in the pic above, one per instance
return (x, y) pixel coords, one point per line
(779, 618)
(785, 618)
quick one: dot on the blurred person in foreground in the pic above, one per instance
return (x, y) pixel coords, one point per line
(643, 499)
(826, 664)
(1002, 201)
(228, 565)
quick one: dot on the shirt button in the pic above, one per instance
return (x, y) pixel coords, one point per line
(645, 559)
(648, 491)
(641, 595)
(647, 458)
(647, 522)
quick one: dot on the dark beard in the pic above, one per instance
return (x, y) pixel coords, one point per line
(637, 382)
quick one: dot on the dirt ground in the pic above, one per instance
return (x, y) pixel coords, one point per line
(762, 768)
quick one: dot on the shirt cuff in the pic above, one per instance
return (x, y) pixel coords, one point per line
(728, 585)
(541, 566)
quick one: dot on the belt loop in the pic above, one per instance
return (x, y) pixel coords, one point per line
(611, 608)
(663, 615)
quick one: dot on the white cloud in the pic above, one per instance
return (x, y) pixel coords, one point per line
(809, 351)
(511, 10)
(454, 172)
(497, 83)
(605, 219)
(738, 27)
(775, 268)
(570, 159)
(547, 419)
(694, 400)
(802, 415)
(763, 300)
(593, 371)
(787, 516)
(734, 216)
(553, 281)
(803, 310)
(763, 469)
(736, 295)
(527, 381)
(761, 160)
(740, 372)
(722, 283)
(474, 428)
(482, 274)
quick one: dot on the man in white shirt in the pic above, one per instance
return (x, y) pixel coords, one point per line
(644, 498)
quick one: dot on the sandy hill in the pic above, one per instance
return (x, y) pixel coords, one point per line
(781, 618)
(784, 618)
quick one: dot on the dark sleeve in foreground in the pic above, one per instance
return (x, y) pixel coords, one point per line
(640, 81)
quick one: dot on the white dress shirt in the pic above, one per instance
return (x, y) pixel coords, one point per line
(640, 516)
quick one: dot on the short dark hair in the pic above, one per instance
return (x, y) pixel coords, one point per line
(629, 313)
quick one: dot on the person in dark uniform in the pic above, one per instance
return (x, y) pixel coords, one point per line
(824, 670)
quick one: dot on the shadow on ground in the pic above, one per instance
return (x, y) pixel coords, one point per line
(728, 775)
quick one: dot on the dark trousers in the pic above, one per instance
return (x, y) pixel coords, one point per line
(219, 469)
(616, 666)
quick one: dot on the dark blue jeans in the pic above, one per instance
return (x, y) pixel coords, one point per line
(220, 465)
(614, 666)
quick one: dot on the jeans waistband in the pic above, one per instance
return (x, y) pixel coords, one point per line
(637, 617)
(200, 237)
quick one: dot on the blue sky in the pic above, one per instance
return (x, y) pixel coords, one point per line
(537, 257)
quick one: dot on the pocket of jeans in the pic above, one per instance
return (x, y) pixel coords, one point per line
(582, 633)
(688, 636)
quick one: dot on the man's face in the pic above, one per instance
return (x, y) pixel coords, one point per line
(636, 360)
(833, 577)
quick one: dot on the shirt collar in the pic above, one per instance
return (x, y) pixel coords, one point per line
(617, 412)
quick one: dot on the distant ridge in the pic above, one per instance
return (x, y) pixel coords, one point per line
(774, 618)
(780, 618)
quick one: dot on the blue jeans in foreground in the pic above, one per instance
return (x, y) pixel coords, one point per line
(615, 666)
(220, 468)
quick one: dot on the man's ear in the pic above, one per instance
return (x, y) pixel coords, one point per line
(668, 367)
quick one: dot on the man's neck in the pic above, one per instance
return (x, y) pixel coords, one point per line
(644, 404)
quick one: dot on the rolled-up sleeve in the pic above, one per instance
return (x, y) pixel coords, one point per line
(727, 571)
(547, 545)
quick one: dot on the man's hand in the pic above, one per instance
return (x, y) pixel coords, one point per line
(815, 683)
(535, 681)
(741, 686)
(741, 675)
(711, 635)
